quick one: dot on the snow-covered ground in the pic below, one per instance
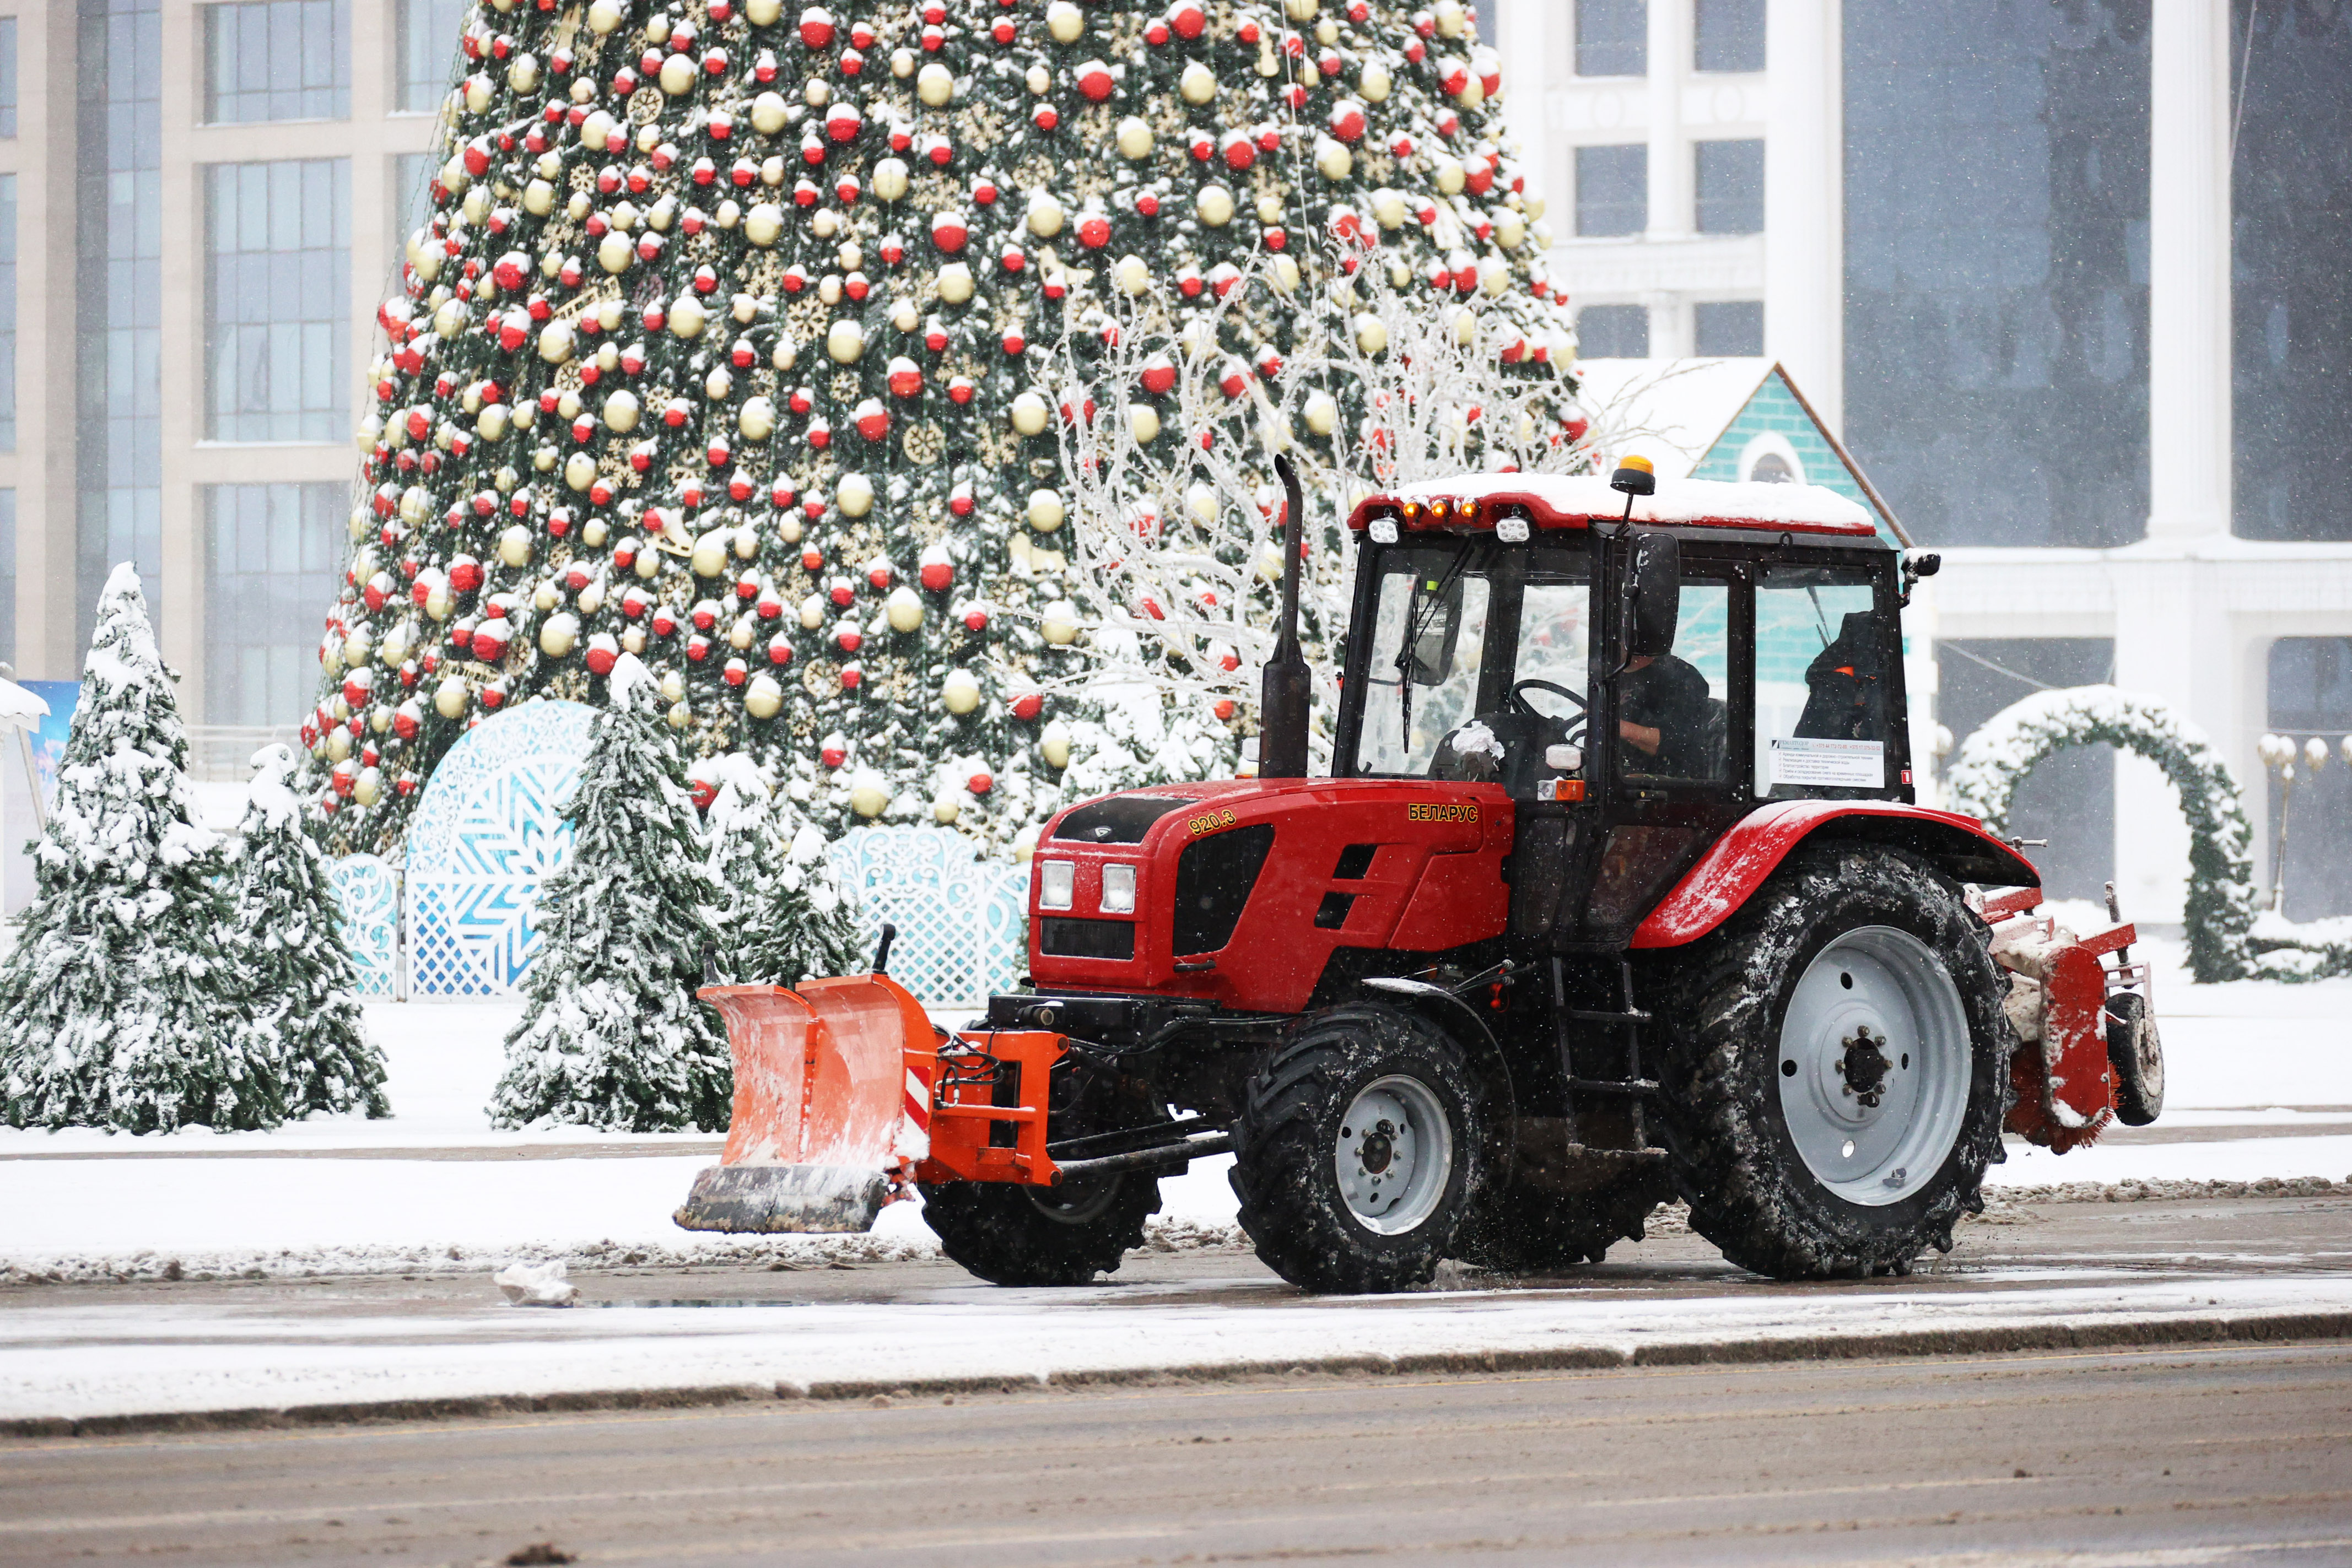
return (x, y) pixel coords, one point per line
(2250, 1063)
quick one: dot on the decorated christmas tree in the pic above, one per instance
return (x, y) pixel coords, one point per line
(610, 1035)
(120, 1005)
(784, 918)
(285, 936)
(731, 342)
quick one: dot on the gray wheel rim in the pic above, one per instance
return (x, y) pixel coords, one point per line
(1394, 1156)
(1081, 1202)
(1876, 1009)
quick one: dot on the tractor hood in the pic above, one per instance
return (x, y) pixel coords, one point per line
(1240, 890)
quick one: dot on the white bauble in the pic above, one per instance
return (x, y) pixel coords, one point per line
(493, 424)
(677, 75)
(1054, 744)
(1144, 420)
(1214, 205)
(449, 698)
(762, 13)
(1449, 176)
(763, 698)
(1030, 414)
(687, 317)
(558, 633)
(889, 180)
(710, 556)
(1198, 83)
(604, 15)
(1134, 137)
(1374, 83)
(757, 420)
(1045, 510)
(956, 283)
(960, 693)
(769, 113)
(1045, 215)
(450, 319)
(613, 252)
(935, 85)
(538, 198)
(1131, 273)
(845, 341)
(869, 797)
(1322, 413)
(514, 544)
(853, 494)
(1510, 230)
(763, 222)
(1388, 208)
(903, 608)
(1372, 334)
(946, 809)
(522, 75)
(1332, 159)
(1066, 22)
(621, 412)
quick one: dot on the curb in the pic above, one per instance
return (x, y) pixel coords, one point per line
(1759, 1351)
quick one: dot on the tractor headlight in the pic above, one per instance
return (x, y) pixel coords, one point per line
(1119, 889)
(1058, 884)
(1383, 531)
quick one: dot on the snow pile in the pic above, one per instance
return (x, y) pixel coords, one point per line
(536, 1284)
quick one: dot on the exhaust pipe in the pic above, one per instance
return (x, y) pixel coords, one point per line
(1283, 697)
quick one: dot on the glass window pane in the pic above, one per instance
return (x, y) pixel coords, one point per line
(8, 80)
(1612, 37)
(1729, 327)
(277, 302)
(1730, 187)
(1613, 190)
(1672, 721)
(1824, 665)
(1613, 333)
(1730, 36)
(271, 573)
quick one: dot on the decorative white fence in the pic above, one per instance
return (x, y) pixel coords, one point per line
(489, 829)
(962, 922)
(458, 920)
(369, 891)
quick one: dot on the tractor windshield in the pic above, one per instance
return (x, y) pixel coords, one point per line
(1478, 665)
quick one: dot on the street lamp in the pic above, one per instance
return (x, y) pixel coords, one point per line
(2278, 753)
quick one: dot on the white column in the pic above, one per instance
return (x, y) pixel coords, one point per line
(1804, 200)
(1538, 65)
(2189, 269)
(1673, 214)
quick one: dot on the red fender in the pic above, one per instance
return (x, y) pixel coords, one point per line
(1730, 873)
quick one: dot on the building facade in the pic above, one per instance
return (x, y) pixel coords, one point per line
(2075, 300)
(201, 205)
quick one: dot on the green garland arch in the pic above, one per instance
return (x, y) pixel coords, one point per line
(2220, 912)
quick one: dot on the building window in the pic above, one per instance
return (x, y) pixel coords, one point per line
(1730, 187)
(1612, 332)
(1486, 19)
(1730, 36)
(1613, 190)
(277, 298)
(1996, 267)
(429, 30)
(271, 555)
(276, 60)
(2291, 294)
(8, 76)
(2311, 699)
(1612, 37)
(1730, 328)
(7, 577)
(2069, 799)
(8, 312)
(119, 301)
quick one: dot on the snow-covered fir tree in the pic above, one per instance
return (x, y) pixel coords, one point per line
(610, 1035)
(782, 917)
(727, 344)
(118, 1004)
(285, 939)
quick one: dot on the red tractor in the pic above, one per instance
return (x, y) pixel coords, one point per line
(1618, 893)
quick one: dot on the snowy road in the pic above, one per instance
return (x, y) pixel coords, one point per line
(2049, 1273)
(2224, 1455)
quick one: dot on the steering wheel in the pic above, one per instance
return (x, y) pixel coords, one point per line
(1521, 704)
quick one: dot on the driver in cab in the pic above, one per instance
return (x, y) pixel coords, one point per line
(1662, 715)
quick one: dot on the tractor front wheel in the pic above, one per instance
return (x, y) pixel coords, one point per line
(1357, 1150)
(1010, 1234)
(1837, 1067)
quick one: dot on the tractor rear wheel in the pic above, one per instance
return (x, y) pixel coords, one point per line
(1357, 1150)
(1837, 1067)
(1523, 1229)
(1010, 1234)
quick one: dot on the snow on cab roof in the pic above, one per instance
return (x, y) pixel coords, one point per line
(1559, 500)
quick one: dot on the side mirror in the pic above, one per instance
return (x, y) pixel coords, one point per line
(1652, 596)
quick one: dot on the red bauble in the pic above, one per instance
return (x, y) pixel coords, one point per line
(906, 377)
(816, 28)
(939, 576)
(949, 232)
(850, 675)
(832, 756)
(603, 653)
(1028, 705)
(1094, 231)
(1095, 81)
(980, 782)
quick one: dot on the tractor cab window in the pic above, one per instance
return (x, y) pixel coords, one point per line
(1429, 645)
(1824, 654)
(1672, 719)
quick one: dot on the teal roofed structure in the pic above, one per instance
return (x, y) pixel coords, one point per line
(1724, 419)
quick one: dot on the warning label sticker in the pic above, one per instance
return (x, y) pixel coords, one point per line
(1829, 764)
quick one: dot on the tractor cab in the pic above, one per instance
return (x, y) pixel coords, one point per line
(1634, 678)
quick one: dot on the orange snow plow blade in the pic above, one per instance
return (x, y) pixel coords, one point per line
(832, 1101)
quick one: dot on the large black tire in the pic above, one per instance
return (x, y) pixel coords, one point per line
(2137, 1056)
(1521, 1229)
(1723, 1007)
(1013, 1235)
(1293, 1131)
